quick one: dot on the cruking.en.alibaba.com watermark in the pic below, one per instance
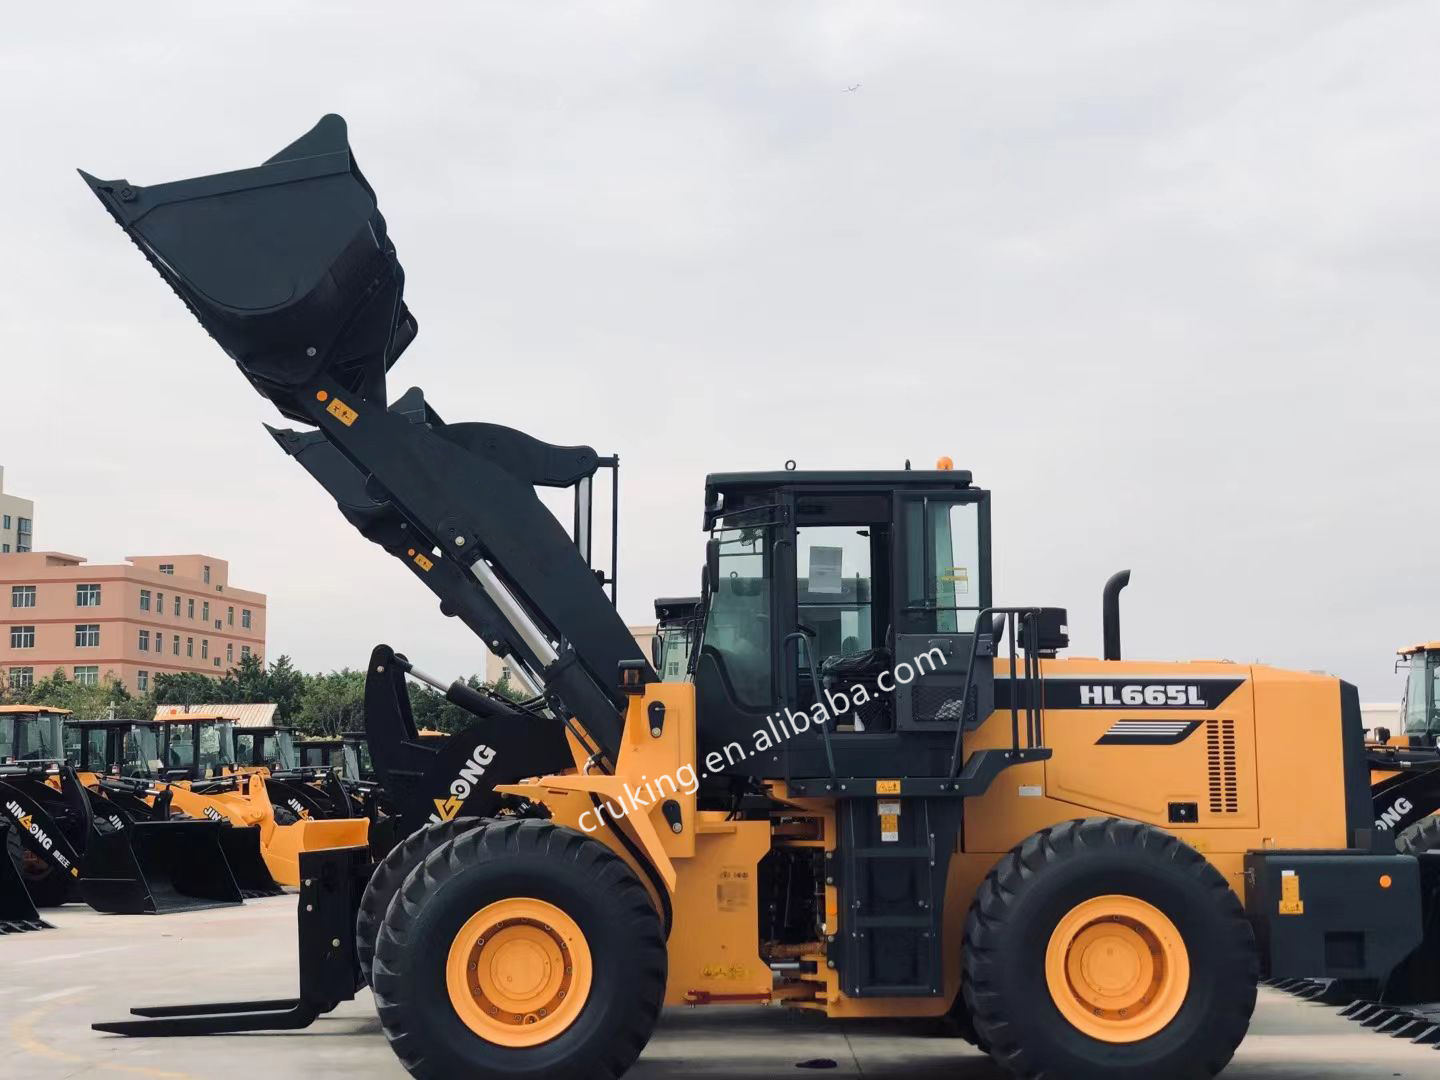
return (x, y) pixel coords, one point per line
(778, 729)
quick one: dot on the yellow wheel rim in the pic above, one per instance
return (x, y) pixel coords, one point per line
(1117, 969)
(518, 972)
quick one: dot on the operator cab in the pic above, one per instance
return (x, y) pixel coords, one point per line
(823, 589)
(31, 733)
(197, 746)
(114, 746)
(268, 747)
(677, 626)
(1420, 709)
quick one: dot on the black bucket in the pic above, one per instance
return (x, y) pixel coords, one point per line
(17, 911)
(287, 265)
(241, 844)
(156, 867)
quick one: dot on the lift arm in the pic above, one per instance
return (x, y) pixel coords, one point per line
(290, 268)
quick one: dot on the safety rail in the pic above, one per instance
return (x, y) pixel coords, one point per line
(991, 625)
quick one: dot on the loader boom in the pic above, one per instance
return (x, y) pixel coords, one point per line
(290, 268)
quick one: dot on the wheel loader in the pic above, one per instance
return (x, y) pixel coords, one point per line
(198, 751)
(880, 793)
(121, 761)
(70, 840)
(1405, 766)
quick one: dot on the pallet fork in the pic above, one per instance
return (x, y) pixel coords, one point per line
(332, 883)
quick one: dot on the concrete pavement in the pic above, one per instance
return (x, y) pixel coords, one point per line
(94, 967)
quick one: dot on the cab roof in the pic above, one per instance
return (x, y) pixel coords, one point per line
(189, 717)
(1425, 647)
(887, 478)
(32, 710)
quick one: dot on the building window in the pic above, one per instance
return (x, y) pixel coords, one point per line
(6, 524)
(22, 678)
(189, 646)
(159, 603)
(87, 635)
(145, 640)
(4, 549)
(87, 595)
(167, 568)
(144, 599)
(244, 652)
(87, 675)
(142, 680)
(229, 652)
(205, 648)
(190, 608)
(175, 645)
(205, 573)
(205, 611)
(22, 637)
(177, 607)
(245, 618)
(217, 661)
(230, 616)
(22, 595)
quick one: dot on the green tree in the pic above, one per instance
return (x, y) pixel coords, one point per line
(332, 704)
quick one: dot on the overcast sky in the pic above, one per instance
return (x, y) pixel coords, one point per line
(1164, 276)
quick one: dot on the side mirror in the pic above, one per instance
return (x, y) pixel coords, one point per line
(655, 650)
(712, 564)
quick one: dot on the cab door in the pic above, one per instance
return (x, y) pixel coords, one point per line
(942, 583)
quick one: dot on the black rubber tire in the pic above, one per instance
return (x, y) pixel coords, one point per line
(1423, 836)
(390, 873)
(48, 887)
(545, 861)
(1017, 909)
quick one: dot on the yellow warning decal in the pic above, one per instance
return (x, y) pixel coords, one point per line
(1290, 902)
(341, 412)
(422, 561)
(887, 787)
(889, 828)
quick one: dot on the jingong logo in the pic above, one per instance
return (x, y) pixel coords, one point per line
(460, 788)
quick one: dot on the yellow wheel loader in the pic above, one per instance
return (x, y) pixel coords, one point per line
(1405, 765)
(198, 751)
(880, 792)
(71, 840)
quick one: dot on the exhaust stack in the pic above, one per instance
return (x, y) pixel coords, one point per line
(1110, 613)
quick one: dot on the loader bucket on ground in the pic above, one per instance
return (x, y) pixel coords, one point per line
(287, 265)
(288, 842)
(17, 910)
(241, 844)
(157, 867)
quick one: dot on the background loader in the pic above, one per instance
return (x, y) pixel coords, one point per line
(1405, 766)
(71, 841)
(880, 793)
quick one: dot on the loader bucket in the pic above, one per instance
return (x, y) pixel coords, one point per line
(287, 265)
(17, 911)
(288, 842)
(156, 867)
(241, 844)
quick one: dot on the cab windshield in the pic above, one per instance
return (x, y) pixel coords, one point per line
(141, 752)
(27, 738)
(675, 643)
(1422, 694)
(737, 622)
(280, 749)
(217, 748)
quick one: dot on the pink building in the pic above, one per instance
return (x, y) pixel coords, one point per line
(153, 614)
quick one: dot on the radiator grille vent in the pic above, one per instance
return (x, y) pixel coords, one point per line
(1220, 751)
